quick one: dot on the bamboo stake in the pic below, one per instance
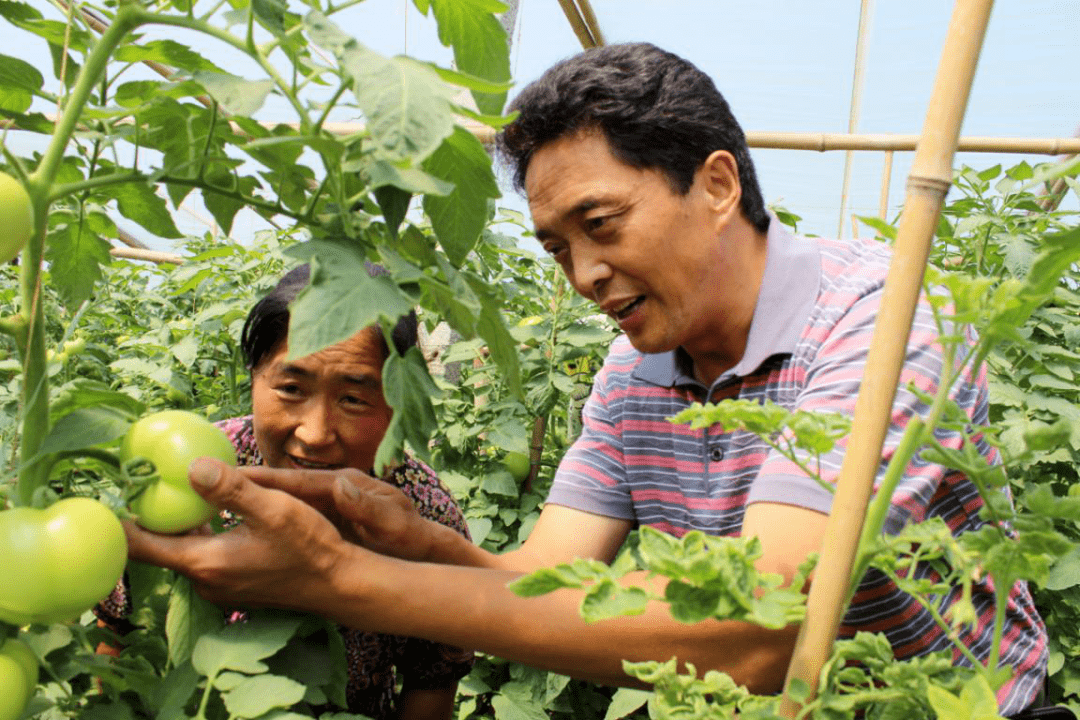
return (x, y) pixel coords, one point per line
(572, 14)
(928, 182)
(587, 14)
(1055, 192)
(886, 181)
(823, 142)
(818, 142)
(155, 256)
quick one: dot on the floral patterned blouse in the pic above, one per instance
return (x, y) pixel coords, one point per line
(376, 661)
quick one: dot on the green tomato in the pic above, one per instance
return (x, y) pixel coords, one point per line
(16, 217)
(518, 465)
(58, 562)
(18, 677)
(171, 439)
(74, 347)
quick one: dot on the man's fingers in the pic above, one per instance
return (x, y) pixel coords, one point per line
(167, 551)
(226, 488)
(311, 486)
(347, 498)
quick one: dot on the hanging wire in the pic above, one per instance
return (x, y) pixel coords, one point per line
(866, 11)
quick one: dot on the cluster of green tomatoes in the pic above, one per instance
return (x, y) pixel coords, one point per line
(63, 559)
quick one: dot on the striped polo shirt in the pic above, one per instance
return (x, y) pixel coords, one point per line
(806, 350)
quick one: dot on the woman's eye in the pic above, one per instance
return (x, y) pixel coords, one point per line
(290, 390)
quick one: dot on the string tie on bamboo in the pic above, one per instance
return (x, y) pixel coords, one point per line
(928, 185)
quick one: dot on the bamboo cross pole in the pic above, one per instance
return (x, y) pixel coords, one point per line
(928, 182)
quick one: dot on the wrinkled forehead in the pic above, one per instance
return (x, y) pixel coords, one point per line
(365, 348)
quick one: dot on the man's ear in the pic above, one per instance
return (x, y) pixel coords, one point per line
(719, 175)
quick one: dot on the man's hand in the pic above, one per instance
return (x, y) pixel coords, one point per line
(365, 510)
(284, 553)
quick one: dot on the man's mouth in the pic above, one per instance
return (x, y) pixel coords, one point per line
(626, 309)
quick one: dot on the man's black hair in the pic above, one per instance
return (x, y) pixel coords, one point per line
(268, 321)
(656, 110)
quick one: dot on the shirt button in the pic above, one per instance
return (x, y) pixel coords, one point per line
(717, 454)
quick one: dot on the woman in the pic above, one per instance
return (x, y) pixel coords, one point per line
(327, 411)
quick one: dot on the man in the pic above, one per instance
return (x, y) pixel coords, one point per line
(640, 185)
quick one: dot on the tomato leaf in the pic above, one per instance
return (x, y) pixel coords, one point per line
(256, 696)
(166, 52)
(235, 94)
(85, 427)
(243, 646)
(409, 109)
(76, 255)
(408, 388)
(459, 217)
(341, 299)
(479, 42)
(140, 203)
(625, 701)
(189, 617)
(19, 82)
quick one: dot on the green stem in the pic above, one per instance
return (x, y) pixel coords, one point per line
(127, 19)
(201, 714)
(35, 391)
(1001, 598)
(243, 46)
(66, 189)
(914, 435)
(329, 106)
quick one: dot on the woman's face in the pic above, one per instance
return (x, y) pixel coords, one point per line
(323, 411)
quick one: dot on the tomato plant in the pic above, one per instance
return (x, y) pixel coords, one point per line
(128, 146)
(18, 677)
(60, 561)
(16, 217)
(171, 439)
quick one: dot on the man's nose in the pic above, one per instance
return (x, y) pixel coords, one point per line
(590, 270)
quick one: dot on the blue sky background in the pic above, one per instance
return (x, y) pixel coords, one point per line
(783, 65)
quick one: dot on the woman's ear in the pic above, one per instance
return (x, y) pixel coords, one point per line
(719, 175)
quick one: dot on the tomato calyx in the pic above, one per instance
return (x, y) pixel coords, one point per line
(138, 474)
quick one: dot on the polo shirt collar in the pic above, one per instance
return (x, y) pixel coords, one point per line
(789, 290)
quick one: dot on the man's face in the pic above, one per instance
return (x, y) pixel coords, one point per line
(653, 260)
(324, 410)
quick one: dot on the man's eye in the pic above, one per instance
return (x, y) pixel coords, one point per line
(595, 223)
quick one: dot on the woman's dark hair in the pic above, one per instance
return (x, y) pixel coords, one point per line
(267, 323)
(656, 110)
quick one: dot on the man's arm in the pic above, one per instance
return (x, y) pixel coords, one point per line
(286, 554)
(381, 517)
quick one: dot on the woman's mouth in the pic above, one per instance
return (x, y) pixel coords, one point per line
(311, 464)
